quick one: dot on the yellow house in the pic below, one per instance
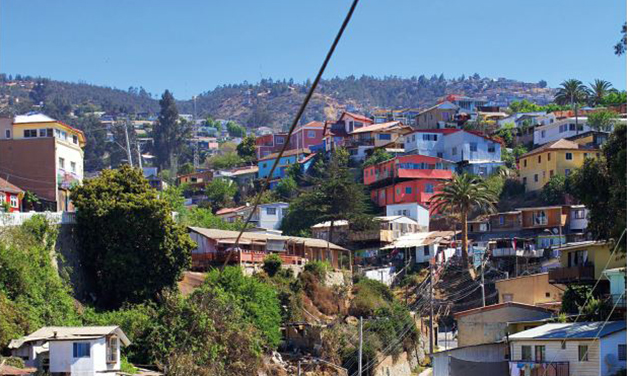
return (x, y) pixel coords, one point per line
(533, 289)
(584, 262)
(560, 157)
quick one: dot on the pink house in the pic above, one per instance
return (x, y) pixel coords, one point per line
(307, 136)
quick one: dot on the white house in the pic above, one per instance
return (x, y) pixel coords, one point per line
(412, 210)
(476, 152)
(425, 245)
(617, 286)
(83, 351)
(269, 216)
(563, 128)
(582, 349)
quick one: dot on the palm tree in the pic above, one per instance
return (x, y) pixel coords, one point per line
(597, 90)
(572, 91)
(460, 196)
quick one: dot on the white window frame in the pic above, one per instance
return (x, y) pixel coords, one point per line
(15, 203)
(62, 163)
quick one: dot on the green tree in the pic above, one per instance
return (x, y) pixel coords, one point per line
(597, 90)
(601, 185)
(507, 134)
(235, 130)
(220, 193)
(169, 132)
(128, 239)
(287, 188)
(614, 98)
(379, 155)
(272, 264)
(619, 48)
(460, 196)
(95, 142)
(200, 217)
(246, 149)
(571, 92)
(224, 161)
(554, 191)
(602, 120)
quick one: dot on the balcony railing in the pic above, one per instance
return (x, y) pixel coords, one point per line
(580, 273)
(545, 368)
(618, 300)
(505, 252)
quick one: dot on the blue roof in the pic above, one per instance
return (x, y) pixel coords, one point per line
(579, 330)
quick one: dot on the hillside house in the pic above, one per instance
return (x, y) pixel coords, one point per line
(474, 152)
(560, 157)
(489, 324)
(563, 128)
(413, 210)
(244, 175)
(288, 158)
(364, 140)
(533, 289)
(584, 262)
(581, 349)
(424, 246)
(437, 117)
(617, 297)
(336, 134)
(10, 196)
(232, 215)
(44, 156)
(270, 216)
(196, 180)
(88, 350)
(213, 247)
(407, 179)
(269, 143)
(307, 136)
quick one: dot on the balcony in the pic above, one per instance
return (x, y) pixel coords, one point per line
(518, 252)
(546, 368)
(618, 300)
(579, 273)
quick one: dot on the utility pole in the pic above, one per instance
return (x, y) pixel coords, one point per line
(431, 262)
(139, 157)
(298, 368)
(128, 145)
(361, 342)
(483, 282)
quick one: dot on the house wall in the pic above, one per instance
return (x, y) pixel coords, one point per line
(266, 165)
(554, 352)
(62, 360)
(399, 167)
(553, 217)
(406, 192)
(412, 210)
(430, 119)
(6, 124)
(599, 254)
(453, 145)
(490, 325)
(609, 347)
(35, 172)
(549, 133)
(549, 163)
(493, 352)
(421, 256)
(269, 221)
(530, 289)
(302, 137)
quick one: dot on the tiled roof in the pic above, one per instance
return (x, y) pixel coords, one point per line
(7, 187)
(224, 211)
(562, 144)
(378, 127)
(356, 116)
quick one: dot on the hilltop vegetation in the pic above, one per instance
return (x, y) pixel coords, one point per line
(268, 102)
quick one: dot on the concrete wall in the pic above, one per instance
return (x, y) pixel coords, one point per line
(609, 347)
(529, 289)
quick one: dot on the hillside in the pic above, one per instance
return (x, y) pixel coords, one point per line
(271, 102)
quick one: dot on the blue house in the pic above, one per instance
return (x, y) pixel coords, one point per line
(289, 157)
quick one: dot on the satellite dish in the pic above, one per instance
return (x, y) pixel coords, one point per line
(556, 231)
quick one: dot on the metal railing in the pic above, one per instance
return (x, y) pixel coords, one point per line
(573, 273)
(540, 368)
(17, 219)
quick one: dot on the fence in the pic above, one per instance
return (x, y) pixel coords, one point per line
(17, 219)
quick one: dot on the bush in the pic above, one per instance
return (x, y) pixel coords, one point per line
(554, 191)
(272, 264)
(318, 268)
(370, 296)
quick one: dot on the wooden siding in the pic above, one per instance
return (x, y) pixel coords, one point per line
(554, 352)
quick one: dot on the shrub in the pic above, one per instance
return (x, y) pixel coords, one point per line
(272, 264)
(318, 268)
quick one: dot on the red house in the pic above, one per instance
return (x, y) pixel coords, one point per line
(407, 179)
(11, 195)
(307, 136)
(269, 143)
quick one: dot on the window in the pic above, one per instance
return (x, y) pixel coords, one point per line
(547, 294)
(540, 353)
(548, 156)
(311, 134)
(408, 190)
(280, 140)
(501, 219)
(491, 148)
(61, 163)
(473, 146)
(264, 165)
(563, 345)
(385, 136)
(73, 168)
(14, 201)
(543, 133)
(535, 178)
(271, 211)
(539, 217)
(413, 138)
(429, 188)
(80, 350)
(30, 133)
(454, 151)
(569, 156)
(622, 352)
(42, 133)
(539, 159)
(75, 139)
(425, 250)
(525, 352)
(440, 155)
(571, 127)
(583, 353)
(579, 214)
(429, 137)
(524, 163)
(543, 175)
(112, 349)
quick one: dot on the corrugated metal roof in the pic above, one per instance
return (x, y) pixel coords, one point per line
(419, 239)
(64, 333)
(579, 330)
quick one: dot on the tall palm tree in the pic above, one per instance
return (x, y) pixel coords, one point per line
(460, 196)
(597, 90)
(572, 92)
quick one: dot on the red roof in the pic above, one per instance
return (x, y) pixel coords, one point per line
(356, 116)
(230, 210)
(7, 187)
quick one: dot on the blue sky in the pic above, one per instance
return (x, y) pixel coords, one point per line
(190, 46)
